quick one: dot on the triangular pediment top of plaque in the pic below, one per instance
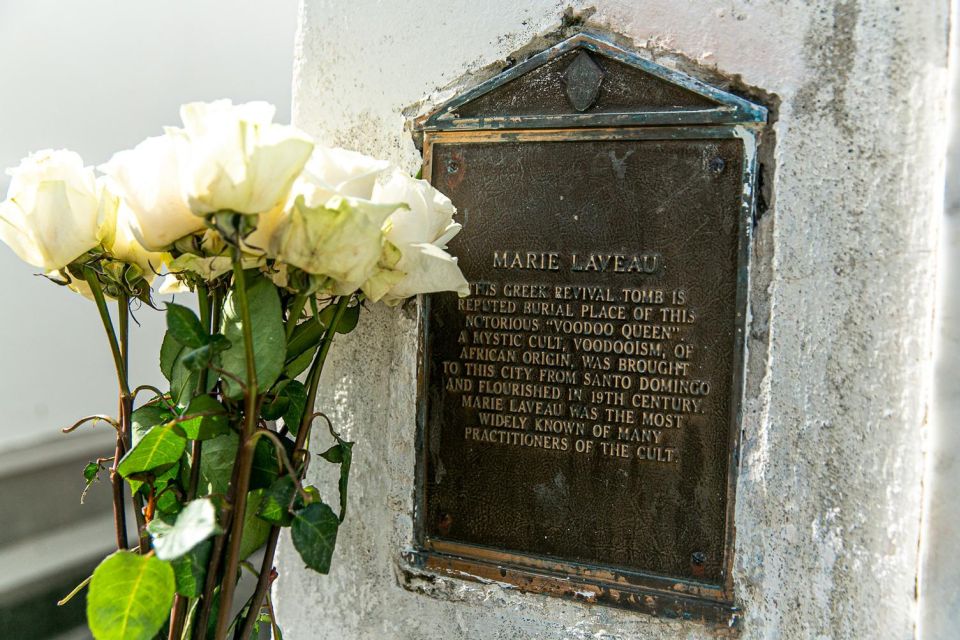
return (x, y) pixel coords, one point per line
(589, 81)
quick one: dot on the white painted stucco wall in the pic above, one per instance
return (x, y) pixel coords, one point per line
(99, 76)
(828, 506)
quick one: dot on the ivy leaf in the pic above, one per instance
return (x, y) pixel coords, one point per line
(146, 418)
(342, 454)
(297, 394)
(216, 463)
(130, 597)
(314, 534)
(184, 326)
(210, 419)
(269, 336)
(159, 450)
(255, 530)
(190, 569)
(194, 524)
(275, 507)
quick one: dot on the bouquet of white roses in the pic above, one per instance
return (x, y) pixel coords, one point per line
(282, 241)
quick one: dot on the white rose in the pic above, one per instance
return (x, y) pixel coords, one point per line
(341, 240)
(235, 159)
(419, 234)
(147, 178)
(54, 212)
(127, 248)
(337, 172)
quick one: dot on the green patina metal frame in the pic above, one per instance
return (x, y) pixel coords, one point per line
(732, 117)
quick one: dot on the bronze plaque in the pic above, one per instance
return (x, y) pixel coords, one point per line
(580, 410)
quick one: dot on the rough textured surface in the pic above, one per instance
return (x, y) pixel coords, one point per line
(828, 506)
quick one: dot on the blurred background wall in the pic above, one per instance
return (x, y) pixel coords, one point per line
(96, 76)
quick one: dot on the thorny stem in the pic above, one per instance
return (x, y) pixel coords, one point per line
(119, 520)
(266, 568)
(244, 464)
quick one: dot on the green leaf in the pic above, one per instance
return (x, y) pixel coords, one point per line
(146, 418)
(201, 357)
(266, 466)
(342, 454)
(196, 523)
(314, 534)
(190, 569)
(297, 393)
(211, 419)
(216, 463)
(159, 481)
(298, 365)
(275, 507)
(306, 336)
(348, 321)
(159, 450)
(185, 327)
(130, 597)
(255, 530)
(269, 337)
(169, 351)
(90, 472)
(183, 382)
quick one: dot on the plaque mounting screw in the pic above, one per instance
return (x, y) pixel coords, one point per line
(453, 166)
(582, 79)
(717, 165)
(698, 558)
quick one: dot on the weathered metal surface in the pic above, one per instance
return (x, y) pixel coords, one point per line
(579, 413)
(636, 92)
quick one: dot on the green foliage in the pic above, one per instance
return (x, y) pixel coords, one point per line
(190, 569)
(216, 463)
(348, 321)
(269, 336)
(91, 473)
(156, 452)
(194, 524)
(314, 534)
(147, 417)
(169, 350)
(266, 464)
(203, 356)
(275, 506)
(296, 395)
(130, 597)
(206, 419)
(342, 454)
(255, 530)
(302, 346)
(185, 326)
